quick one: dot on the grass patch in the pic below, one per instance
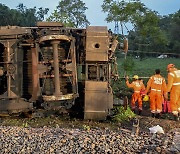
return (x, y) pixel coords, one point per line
(146, 67)
(143, 68)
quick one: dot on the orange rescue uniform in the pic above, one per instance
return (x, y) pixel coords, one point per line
(137, 86)
(174, 89)
(157, 85)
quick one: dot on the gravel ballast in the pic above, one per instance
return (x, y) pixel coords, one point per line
(63, 140)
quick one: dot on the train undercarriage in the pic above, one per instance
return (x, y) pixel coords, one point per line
(53, 67)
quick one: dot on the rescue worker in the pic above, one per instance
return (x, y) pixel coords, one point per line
(174, 88)
(157, 87)
(137, 86)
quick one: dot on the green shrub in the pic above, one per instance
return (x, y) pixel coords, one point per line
(123, 115)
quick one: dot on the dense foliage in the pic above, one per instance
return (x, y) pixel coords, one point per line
(22, 16)
(71, 13)
(121, 114)
(168, 41)
(151, 32)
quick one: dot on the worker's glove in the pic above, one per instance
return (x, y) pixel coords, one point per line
(145, 92)
(127, 77)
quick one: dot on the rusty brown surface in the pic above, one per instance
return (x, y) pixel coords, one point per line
(56, 68)
(49, 24)
(58, 98)
(51, 54)
(35, 76)
(98, 92)
(13, 30)
(54, 37)
(97, 99)
(97, 43)
(74, 67)
(14, 105)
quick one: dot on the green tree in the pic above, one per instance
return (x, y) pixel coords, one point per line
(71, 13)
(41, 13)
(22, 16)
(145, 22)
(123, 11)
(170, 24)
(29, 16)
(175, 31)
(5, 15)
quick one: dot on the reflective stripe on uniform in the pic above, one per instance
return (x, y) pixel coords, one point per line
(153, 111)
(155, 90)
(136, 91)
(158, 111)
(175, 112)
(175, 84)
(171, 74)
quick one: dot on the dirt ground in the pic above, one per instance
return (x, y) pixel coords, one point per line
(166, 121)
(166, 124)
(64, 121)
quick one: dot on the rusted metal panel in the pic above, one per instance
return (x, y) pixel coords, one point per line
(14, 105)
(97, 31)
(35, 77)
(96, 86)
(110, 101)
(49, 24)
(97, 100)
(73, 67)
(12, 61)
(13, 30)
(97, 43)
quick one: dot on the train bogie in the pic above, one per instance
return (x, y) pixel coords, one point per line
(54, 67)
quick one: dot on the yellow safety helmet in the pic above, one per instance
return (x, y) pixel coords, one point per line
(136, 77)
(146, 98)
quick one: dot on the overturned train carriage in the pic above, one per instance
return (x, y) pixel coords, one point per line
(53, 67)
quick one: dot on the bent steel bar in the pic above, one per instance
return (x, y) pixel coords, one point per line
(58, 98)
(54, 37)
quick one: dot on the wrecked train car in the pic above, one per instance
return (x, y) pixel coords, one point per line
(54, 67)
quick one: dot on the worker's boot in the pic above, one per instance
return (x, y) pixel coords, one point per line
(139, 112)
(158, 115)
(176, 118)
(153, 115)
